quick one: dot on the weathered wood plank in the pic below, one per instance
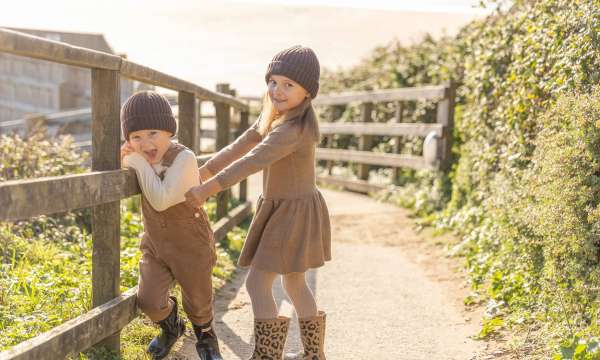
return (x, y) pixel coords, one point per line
(382, 129)
(409, 93)
(231, 220)
(46, 196)
(18, 43)
(445, 116)
(198, 128)
(148, 75)
(212, 134)
(106, 143)
(78, 334)
(365, 142)
(23, 199)
(223, 113)
(361, 186)
(187, 119)
(399, 118)
(368, 157)
(244, 125)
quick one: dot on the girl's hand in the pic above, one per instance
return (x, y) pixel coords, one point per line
(196, 196)
(205, 174)
(126, 149)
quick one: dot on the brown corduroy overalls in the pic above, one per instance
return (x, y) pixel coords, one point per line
(178, 244)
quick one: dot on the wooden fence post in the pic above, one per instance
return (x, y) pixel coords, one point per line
(445, 116)
(187, 119)
(329, 142)
(106, 139)
(398, 140)
(223, 119)
(244, 125)
(198, 128)
(365, 141)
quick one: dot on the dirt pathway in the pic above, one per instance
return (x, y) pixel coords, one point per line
(389, 293)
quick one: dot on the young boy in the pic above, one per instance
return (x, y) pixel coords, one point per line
(178, 243)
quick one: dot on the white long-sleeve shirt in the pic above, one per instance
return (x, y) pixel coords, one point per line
(178, 178)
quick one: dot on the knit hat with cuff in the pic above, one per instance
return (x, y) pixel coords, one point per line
(147, 110)
(298, 63)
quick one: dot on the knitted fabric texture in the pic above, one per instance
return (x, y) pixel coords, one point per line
(147, 110)
(298, 63)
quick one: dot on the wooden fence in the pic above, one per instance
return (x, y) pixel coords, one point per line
(104, 187)
(438, 136)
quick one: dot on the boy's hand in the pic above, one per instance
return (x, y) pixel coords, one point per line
(126, 149)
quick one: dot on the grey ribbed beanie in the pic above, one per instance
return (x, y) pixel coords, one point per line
(298, 63)
(147, 110)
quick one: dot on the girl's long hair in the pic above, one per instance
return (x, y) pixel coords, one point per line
(304, 114)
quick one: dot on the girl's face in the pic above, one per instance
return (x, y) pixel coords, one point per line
(285, 93)
(151, 144)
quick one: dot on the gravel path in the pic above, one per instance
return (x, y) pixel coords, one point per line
(389, 293)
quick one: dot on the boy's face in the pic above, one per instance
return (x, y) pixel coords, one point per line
(285, 93)
(151, 144)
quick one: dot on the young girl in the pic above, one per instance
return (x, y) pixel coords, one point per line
(290, 232)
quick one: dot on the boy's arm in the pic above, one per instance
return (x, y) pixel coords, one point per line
(178, 179)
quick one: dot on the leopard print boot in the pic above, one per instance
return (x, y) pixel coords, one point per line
(269, 338)
(312, 332)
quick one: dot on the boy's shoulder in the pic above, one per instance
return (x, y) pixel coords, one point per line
(177, 151)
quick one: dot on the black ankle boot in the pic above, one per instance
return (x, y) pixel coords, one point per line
(207, 345)
(172, 328)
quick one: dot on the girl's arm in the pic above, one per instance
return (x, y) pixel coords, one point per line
(280, 142)
(231, 152)
(205, 174)
(178, 179)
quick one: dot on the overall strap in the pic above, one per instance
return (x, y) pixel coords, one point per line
(169, 157)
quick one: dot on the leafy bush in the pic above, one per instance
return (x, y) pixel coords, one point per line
(523, 185)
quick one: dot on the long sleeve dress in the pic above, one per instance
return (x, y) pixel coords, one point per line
(290, 231)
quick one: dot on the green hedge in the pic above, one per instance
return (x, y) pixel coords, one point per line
(522, 188)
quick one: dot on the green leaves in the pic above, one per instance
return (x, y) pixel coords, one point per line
(577, 348)
(524, 190)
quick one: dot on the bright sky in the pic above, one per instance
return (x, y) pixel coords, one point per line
(209, 41)
(448, 6)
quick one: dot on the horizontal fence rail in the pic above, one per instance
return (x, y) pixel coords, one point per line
(17, 43)
(46, 196)
(359, 129)
(372, 158)
(414, 93)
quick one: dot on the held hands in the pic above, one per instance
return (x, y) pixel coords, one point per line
(196, 196)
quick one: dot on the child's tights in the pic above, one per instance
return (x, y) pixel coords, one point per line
(259, 284)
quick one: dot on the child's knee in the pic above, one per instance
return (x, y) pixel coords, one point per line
(293, 282)
(258, 282)
(153, 306)
(252, 285)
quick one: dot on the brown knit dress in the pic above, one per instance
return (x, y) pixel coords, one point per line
(290, 231)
